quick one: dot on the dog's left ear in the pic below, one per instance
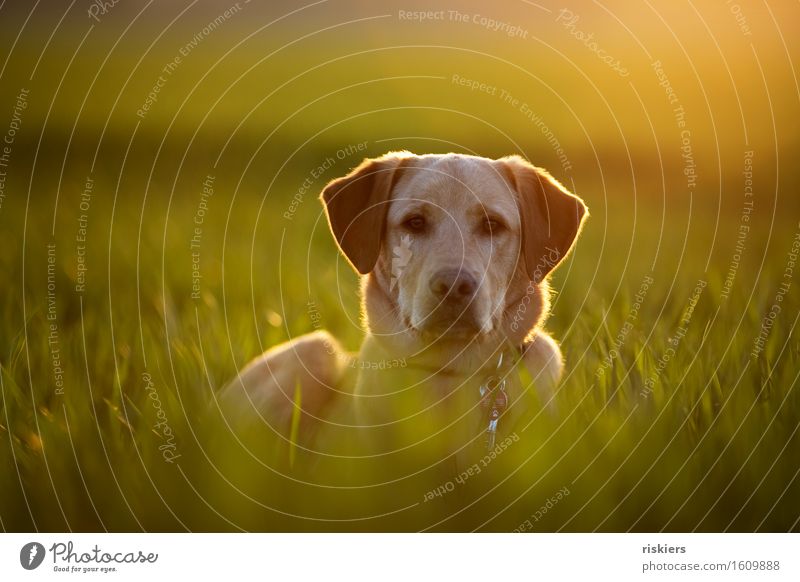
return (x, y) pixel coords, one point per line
(356, 206)
(551, 216)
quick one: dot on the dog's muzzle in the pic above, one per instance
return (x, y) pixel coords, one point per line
(452, 300)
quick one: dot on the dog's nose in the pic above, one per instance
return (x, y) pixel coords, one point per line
(453, 284)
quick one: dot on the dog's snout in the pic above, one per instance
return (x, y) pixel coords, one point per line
(453, 284)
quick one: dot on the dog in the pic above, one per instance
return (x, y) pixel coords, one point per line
(454, 253)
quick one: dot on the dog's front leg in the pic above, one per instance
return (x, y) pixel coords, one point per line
(543, 359)
(302, 376)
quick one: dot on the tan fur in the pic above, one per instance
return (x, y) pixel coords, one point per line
(267, 386)
(502, 267)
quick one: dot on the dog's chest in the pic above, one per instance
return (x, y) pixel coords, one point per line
(422, 408)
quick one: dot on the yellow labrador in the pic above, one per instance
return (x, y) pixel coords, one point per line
(454, 253)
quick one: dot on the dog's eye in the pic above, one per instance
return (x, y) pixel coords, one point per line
(415, 223)
(493, 226)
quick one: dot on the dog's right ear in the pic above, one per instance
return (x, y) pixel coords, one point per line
(356, 206)
(551, 216)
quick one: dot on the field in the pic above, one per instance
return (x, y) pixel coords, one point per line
(147, 257)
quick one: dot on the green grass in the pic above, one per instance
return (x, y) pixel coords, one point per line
(713, 447)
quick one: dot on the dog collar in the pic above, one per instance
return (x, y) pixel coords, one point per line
(494, 399)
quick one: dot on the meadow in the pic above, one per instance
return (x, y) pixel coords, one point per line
(147, 257)
(667, 420)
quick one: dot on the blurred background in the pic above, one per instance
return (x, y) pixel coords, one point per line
(159, 224)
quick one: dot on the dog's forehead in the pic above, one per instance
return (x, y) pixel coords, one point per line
(455, 181)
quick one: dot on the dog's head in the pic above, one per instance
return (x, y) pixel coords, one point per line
(453, 240)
